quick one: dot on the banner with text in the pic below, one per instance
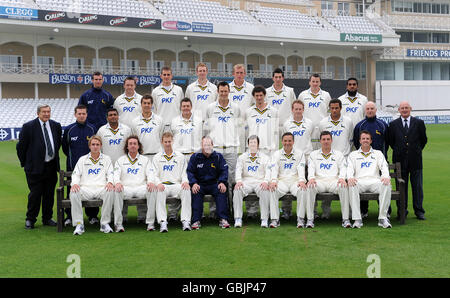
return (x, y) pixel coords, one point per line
(427, 53)
(18, 13)
(185, 26)
(362, 38)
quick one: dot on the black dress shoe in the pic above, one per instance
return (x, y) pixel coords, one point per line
(421, 217)
(29, 225)
(49, 222)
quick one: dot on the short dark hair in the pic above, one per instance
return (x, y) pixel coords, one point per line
(130, 78)
(97, 73)
(147, 96)
(365, 132)
(140, 150)
(166, 68)
(80, 107)
(223, 83)
(278, 70)
(336, 100)
(325, 133)
(112, 110)
(287, 134)
(258, 89)
(315, 75)
(186, 99)
(352, 79)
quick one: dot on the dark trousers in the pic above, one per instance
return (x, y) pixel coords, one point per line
(42, 189)
(220, 198)
(416, 179)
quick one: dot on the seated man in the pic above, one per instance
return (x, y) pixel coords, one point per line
(92, 178)
(169, 176)
(363, 175)
(287, 176)
(208, 174)
(326, 173)
(252, 175)
(130, 180)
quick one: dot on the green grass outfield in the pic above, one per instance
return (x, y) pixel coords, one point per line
(417, 249)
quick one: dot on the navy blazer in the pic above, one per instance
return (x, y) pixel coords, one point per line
(31, 146)
(407, 146)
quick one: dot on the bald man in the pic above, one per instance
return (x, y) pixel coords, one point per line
(379, 131)
(407, 138)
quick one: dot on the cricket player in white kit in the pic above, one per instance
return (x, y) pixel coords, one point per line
(201, 92)
(113, 135)
(287, 176)
(353, 102)
(130, 179)
(170, 178)
(280, 96)
(252, 175)
(148, 127)
(167, 97)
(241, 95)
(363, 175)
(316, 103)
(326, 173)
(128, 104)
(92, 178)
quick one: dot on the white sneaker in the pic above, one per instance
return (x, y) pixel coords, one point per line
(346, 224)
(357, 224)
(119, 229)
(163, 227)
(300, 222)
(384, 223)
(224, 224)
(151, 227)
(238, 222)
(196, 225)
(264, 223)
(274, 223)
(186, 225)
(106, 229)
(67, 222)
(310, 223)
(79, 229)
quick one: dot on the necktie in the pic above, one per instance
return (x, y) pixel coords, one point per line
(47, 142)
(406, 124)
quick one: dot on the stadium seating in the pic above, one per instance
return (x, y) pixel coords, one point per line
(352, 24)
(19, 3)
(15, 112)
(288, 18)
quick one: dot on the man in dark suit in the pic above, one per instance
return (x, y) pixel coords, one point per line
(407, 138)
(37, 149)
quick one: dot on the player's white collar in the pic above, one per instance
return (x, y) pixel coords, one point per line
(136, 158)
(133, 97)
(219, 106)
(370, 151)
(250, 155)
(197, 83)
(331, 152)
(243, 84)
(318, 93)
(164, 87)
(119, 127)
(356, 96)
(340, 118)
(283, 88)
(96, 160)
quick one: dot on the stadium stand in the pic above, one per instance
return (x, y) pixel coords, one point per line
(19, 3)
(354, 24)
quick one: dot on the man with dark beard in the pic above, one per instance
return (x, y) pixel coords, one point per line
(353, 102)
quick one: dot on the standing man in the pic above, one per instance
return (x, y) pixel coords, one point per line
(326, 173)
(167, 97)
(316, 103)
(241, 95)
(300, 127)
(280, 96)
(201, 92)
(379, 131)
(148, 127)
(74, 145)
(353, 102)
(252, 175)
(131, 180)
(287, 176)
(97, 100)
(407, 138)
(93, 177)
(208, 174)
(363, 175)
(170, 178)
(113, 135)
(37, 150)
(128, 104)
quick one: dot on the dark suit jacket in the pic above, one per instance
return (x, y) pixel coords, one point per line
(31, 146)
(407, 147)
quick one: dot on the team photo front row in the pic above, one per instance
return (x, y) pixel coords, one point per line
(189, 178)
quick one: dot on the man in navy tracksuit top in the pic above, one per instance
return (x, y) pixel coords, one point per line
(208, 174)
(379, 131)
(74, 145)
(98, 101)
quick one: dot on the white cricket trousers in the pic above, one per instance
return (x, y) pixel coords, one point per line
(283, 189)
(373, 185)
(174, 190)
(87, 193)
(138, 191)
(328, 185)
(245, 190)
